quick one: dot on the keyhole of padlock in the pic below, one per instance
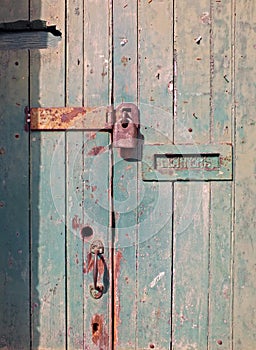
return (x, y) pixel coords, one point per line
(125, 119)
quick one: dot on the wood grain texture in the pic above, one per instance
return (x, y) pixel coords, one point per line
(48, 190)
(48, 240)
(220, 267)
(154, 257)
(75, 53)
(221, 70)
(74, 183)
(192, 70)
(97, 208)
(190, 266)
(14, 191)
(88, 183)
(98, 56)
(154, 265)
(173, 281)
(14, 203)
(245, 133)
(96, 214)
(125, 180)
(75, 251)
(155, 70)
(220, 248)
(191, 200)
(10, 12)
(49, 65)
(88, 219)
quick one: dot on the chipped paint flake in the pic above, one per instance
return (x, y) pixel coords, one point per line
(157, 279)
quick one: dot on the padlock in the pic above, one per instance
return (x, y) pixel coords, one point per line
(125, 131)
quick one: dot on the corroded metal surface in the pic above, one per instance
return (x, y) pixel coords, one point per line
(187, 162)
(63, 118)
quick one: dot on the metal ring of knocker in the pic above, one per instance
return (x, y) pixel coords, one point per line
(97, 249)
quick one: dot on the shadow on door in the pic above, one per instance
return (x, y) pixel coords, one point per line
(20, 163)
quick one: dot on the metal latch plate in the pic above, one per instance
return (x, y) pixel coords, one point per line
(187, 162)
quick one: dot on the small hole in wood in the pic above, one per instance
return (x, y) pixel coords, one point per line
(17, 136)
(190, 129)
(16, 63)
(152, 346)
(86, 232)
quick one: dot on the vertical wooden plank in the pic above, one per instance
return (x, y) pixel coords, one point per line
(10, 13)
(221, 70)
(155, 72)
(48, 191)
(87, 177)
(48, 240)
(75, 53)
(97, 48)
(88, 220)
(192, 82)
(125, 180)
(49, 64)
(154, 257)
(190, 270)
(220, 268)
(74, 171)
(14, 182)
(14, 203)
(96, 215)
(154, 266)
(75, 297)
(191, 201)
(125, 51)
(97, 183)
(245, 191)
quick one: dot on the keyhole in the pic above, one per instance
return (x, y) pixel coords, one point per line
(125, 124)
(125, 120)
(95, 328)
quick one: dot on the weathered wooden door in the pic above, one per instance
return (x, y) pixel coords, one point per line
(175, 215)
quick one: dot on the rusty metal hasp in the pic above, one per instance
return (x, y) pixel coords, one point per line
(69, 118)
(123, 121)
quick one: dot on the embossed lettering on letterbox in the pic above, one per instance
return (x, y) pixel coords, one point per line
(187, 161)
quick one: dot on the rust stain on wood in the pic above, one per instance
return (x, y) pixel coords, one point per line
(100, 335)
(117, 321)
(76, 223)
(96, 150)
